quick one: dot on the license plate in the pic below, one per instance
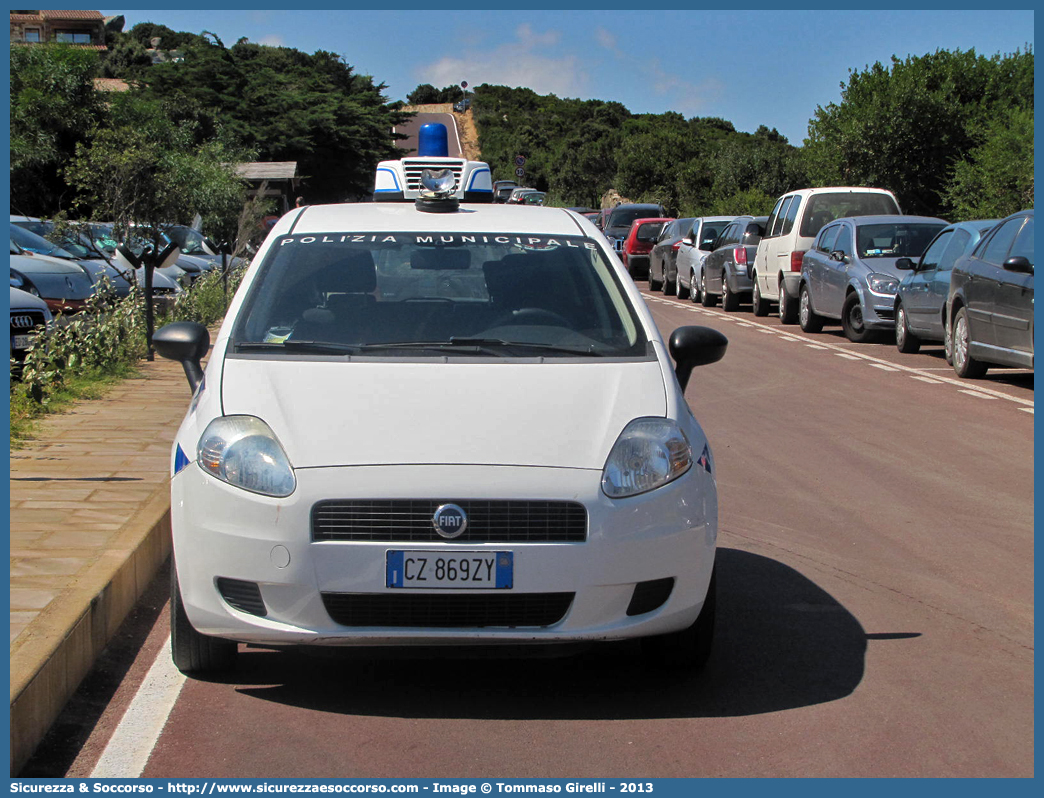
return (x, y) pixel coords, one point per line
(20, 341)
(457, 569)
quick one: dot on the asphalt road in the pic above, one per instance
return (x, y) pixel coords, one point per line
(875, 610)
(411, 128)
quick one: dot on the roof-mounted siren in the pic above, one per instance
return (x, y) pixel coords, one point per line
(400, 181)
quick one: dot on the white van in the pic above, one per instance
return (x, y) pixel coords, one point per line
(796, 219)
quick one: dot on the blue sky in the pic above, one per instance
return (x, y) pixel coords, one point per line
(751, 67)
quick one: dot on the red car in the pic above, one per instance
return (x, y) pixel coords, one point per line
(639, 243)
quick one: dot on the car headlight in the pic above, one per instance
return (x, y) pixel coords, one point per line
(650, 452)
(243, 451)
(19, 280)
(883, 283)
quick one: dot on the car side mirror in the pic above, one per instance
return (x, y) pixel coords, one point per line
(905, 264)
(186, 342)
(1019, 265)
(695, 346)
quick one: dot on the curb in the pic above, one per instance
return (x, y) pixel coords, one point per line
(47, 668)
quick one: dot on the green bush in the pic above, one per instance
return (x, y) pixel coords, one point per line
(105, 339)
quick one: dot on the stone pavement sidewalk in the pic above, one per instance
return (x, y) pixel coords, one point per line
(90, 526)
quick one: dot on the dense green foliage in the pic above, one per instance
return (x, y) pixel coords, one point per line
(940, 130)
(578, 150)
(426, 94)
(286, 105)
(53, 106)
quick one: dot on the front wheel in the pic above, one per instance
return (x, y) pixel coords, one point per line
(191, 651)
(810, 321)
(852, 320)
(905, 341)
(963, 363)
(787, 306)
(687, 649)
(761, 305)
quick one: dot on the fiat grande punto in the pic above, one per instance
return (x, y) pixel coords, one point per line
(440, 427)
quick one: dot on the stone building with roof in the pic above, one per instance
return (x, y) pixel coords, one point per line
(78, 27)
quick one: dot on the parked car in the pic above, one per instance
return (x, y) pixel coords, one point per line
(639, 243)
(727, 269)
(533, 198)
(619, 220)
(663, 266)
(193, 243)
(850, 271)
(462, 105)
(28, 314)
(502, 190)
(552, 486)
(515, 198)
(795, 221)
(920, 302)
(990, 304)
(63, 285)
(694, 247)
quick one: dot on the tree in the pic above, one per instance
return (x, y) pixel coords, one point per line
(53, 106)
(147, 167)
(426, 94)
(905, 127)
(996, 178)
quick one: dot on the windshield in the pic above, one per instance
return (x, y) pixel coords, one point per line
(425, 294)
(622, 217)
(895, 240)
(36, 243)
(190, 241)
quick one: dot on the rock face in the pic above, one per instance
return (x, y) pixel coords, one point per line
(612, 198)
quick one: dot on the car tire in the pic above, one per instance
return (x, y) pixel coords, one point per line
(707, 300)
(964, 364)
(654, 285)
(947, 344)
(694, 289)
(761, 305)
(729, 299)
(683, 292)
(670, 287)
(810, 321)
(787, 306)
(191, 651)
(687, 649)
(852, 320)
(905, 341)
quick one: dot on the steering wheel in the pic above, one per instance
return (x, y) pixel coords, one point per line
(533, 316)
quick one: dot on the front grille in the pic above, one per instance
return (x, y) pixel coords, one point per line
(413, 169)
(410, 521)
(24, 320)
(447, 611)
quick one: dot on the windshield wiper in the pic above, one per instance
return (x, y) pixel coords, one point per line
(497, 346)
(322, 347)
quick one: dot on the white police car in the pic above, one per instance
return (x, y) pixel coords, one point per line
(440, 424)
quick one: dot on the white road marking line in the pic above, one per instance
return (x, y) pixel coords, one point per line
(1027, 410)
(131, 744)
(977, 394)
(883, 367)
(928, 380)
(955, 381)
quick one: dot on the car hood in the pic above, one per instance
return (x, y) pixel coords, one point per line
(885, 266)
(326, 413)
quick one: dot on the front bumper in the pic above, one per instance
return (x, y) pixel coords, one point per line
(223, 532)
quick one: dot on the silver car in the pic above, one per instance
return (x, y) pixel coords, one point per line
(920, 303)
(850, 272)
